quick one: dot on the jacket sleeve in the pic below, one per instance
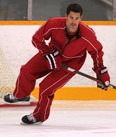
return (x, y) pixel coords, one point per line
(42, 34)
(94, 48)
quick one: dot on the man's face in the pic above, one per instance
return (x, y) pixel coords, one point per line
(72, 21)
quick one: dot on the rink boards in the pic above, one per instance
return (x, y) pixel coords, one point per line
(77, 89)
(82, 93)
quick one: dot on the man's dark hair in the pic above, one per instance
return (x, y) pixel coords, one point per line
(74, 8)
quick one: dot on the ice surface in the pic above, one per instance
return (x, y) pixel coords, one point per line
(82, 119)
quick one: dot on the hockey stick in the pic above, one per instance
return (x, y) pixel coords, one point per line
(86, 76)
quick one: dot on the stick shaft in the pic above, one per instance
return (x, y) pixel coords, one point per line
(88, 76)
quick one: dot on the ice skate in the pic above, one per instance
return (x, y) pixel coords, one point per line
(29, 119)
(11, 99)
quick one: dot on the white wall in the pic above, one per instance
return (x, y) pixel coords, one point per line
(15, 42)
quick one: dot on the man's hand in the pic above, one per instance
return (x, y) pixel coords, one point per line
(52, 59)
(103, 76)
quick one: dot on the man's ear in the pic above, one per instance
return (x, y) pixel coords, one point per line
(81, 17)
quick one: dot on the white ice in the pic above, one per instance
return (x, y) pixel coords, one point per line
(77, 119)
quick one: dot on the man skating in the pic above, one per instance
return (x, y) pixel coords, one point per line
(70, 40)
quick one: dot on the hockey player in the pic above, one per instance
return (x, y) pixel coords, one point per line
(70, 40)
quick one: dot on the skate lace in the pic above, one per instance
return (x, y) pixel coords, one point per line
(12, 97)
(31, 118)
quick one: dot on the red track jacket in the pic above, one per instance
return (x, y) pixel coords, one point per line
(72, 53)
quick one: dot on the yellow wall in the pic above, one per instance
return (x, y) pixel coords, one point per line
(41, 22)
(81, 93)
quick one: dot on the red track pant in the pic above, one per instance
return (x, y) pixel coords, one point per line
(29, 73)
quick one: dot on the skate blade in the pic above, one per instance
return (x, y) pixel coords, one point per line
(37, 123)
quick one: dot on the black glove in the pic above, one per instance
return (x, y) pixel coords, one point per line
(52, 59)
